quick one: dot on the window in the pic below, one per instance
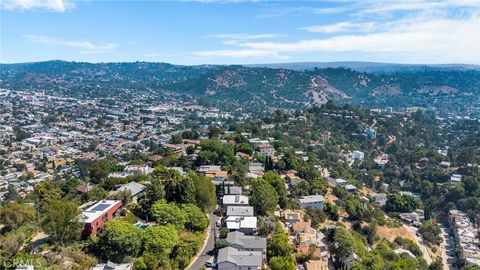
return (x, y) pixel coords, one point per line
(104, 218)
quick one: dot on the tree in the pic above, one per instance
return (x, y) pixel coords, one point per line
(119, 240)
(188, 246)
(99, 169)
(12, 194)
(282, 263)
(169, 213)
(180, 189)
(196, 219)
(266, 226)
(46, 191)
(60, 219)
(244, 148)
(264, 198)
(97, 193)
(332, 211)
(278, 245)
(430, 232)
(13, 215)
(316, 215)
(341, 246)
(12, 242)
(160, 239)
(279, 185)
(436, 265)
(399, 203)
(205, 195)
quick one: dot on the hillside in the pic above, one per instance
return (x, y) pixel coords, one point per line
(253, 86)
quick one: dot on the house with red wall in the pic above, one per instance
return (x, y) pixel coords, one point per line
(95, 216)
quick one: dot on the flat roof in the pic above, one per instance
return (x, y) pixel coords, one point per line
(235, 199)
(236, 222)
(98, 209)
(240, 211)
(311, 199)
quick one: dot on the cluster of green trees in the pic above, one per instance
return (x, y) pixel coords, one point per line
(430, 232)
(400, 204)
(279, 251)
(167, 246)
(177, 202)
(349, 252)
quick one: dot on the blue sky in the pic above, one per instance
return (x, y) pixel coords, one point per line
(241, 31)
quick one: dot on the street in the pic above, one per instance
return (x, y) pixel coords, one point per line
(448, 250)
(209, 246)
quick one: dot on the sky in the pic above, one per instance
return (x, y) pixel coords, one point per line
(191, 32)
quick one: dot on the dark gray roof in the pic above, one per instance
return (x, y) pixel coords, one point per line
(242, 241)
(133, 187)
(240, 258)
(233, 190)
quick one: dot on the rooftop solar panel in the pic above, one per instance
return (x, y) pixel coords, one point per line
(100, 207)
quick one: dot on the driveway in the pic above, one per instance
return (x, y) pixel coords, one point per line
(209, 245)
(420, 242)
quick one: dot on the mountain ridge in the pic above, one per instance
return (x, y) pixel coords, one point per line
(252, 86)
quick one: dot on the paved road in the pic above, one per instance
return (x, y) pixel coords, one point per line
(420, 242)
(448, 250)
(200, 260)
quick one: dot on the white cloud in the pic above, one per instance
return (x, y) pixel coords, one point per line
(86, 46)
(341, 27)
(329, 10)
(382, 6)
(430, 41)
(236, 53)
(245, 36)
(50, 5)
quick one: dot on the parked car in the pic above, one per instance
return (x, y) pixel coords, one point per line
(210, 264)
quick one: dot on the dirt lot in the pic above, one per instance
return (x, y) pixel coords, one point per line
(391, 233)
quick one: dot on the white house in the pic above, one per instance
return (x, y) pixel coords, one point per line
(313, 201)
(234, 200)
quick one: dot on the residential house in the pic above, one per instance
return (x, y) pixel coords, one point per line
(244, 242)
(85, 188)
(135, 189)
(113, 266)
(351, 188)
(358, 155)
(230, 258)
(312, 201)
(305, 233)
(241, 223)
(320, 264)
(292, 216)
(240, 211)
(95, 216)
(217, 174)
(266, 149)
(233, 190)
(209, 168)
(456, 179)
(234, 200)
(380, 199)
